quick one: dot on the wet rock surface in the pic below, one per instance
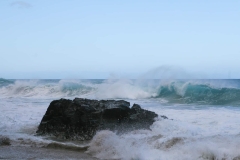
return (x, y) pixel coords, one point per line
(4, 141)
(82, 118)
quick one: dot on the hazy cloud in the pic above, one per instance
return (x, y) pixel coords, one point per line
(21, 4)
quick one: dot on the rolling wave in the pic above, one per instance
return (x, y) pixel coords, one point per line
(44, 88)
(4, 82)
(199, 93)
(210, 92)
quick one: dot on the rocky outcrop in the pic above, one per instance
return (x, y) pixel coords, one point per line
(4, 141)
(81, 118)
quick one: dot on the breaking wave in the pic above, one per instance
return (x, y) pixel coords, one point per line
(4, 82)
(44, 88)
(211, 92)
(168, 139)
(199, 93)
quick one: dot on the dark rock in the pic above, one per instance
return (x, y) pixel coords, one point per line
(4, 141)
(81, 118)
(236, 158)
(164, 117)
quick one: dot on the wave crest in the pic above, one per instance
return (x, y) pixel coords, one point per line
(45, 88)
(199, 93)
(211, 92)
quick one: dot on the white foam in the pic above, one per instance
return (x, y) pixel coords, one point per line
(109, 89)
(125, 89)
(193, 134)
(20, 117)
(39, 89)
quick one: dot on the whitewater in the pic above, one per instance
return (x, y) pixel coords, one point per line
(203, 117)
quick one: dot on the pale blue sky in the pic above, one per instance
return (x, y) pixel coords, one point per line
(96, 38)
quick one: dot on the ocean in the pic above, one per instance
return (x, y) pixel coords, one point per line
(203, 118)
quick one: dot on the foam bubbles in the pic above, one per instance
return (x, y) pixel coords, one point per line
(126, 89)
(192, 134)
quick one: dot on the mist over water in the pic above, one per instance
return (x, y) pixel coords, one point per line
(169, 72)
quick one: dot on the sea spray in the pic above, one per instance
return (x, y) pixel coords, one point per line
(210, 92)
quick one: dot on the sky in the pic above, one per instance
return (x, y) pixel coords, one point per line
(100, 38)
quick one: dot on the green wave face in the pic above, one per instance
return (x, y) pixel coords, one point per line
(200, 94)
(5, 82)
